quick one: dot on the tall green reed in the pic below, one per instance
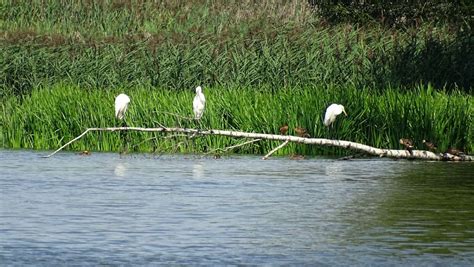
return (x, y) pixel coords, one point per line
(51, 116)
(175, 44)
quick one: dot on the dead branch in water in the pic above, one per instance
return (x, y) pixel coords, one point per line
(390, 153)
(275, 149)
(234, 146)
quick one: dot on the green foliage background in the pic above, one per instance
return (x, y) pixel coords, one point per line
(263, 63)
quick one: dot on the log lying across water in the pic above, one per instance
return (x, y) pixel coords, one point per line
(390, 153)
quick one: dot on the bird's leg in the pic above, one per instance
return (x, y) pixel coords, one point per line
(329, 131)
(199, 125)
(125, 138)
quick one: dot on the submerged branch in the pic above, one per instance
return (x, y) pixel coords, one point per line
(391, 153)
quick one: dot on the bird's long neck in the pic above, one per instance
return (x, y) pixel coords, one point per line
(200, 95)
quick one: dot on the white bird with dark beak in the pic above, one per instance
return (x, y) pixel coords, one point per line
(199, 103)
(121, 105)
(332, 112)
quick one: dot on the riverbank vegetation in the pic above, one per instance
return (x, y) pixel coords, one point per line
(56, 115)
(262, 63)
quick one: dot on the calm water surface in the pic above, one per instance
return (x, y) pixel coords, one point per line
(188, 210)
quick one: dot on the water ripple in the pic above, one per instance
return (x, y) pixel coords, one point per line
(187, 210)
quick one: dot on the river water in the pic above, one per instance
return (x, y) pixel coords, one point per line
(190, 210)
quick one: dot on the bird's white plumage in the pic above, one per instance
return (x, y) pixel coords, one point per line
(121, 104)
(331, 113)
(199, 103)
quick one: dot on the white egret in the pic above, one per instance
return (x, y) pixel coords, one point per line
(121, 104)
(331, 113)
(199, 103)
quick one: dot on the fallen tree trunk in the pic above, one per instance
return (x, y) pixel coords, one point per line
(390, 153)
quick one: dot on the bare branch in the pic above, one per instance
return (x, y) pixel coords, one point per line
(234, 146)
(68, 143)
(275, 149)
(392, 153)
(242, 144)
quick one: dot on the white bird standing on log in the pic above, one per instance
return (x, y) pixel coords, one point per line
(199, 103)
(332, 112)
(121, 104)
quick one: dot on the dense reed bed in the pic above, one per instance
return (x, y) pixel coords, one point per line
(49, 117)
(262, 64)
(178, 44)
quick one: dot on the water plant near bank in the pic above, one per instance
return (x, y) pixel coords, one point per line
(263, 64)
(49, 117)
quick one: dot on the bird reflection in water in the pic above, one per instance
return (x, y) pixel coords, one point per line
(198, 171)
(120, 170)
